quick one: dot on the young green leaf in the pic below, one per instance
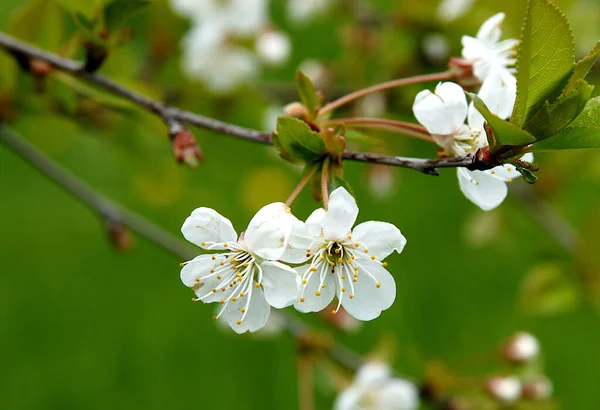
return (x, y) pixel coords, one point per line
(296, 141)
(505, 133)
(582, 68)
(307, 91)
(545, 59)
(527, 174)
(554, 117)
(584, 132)
(118, 11)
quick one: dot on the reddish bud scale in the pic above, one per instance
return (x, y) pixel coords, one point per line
(39, 68)
(185, 149)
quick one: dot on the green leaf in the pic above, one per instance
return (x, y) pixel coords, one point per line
(545, 59)
(307, 91)
(118, 11)
(582, 68)
(584, 132)
(296, 141)
(505, 133)
(554, 117)
(528, 175)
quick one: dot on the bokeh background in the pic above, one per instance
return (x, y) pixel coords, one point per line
(84, 326)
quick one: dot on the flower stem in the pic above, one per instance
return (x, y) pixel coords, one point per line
(325, 183)
(407, 128)
(445, 75)
(301, 184)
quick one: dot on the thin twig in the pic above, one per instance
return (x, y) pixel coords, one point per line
(173, 115)
(406, 128)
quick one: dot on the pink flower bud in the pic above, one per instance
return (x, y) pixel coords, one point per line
(185, 149)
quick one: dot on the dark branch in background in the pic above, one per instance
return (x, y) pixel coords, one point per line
(113, 212)
(173, 116)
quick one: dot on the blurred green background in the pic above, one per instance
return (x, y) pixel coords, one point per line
(83, 326)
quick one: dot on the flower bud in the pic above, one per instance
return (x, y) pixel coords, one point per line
(118, 235)
(539, 388)
(39, 68)
(506, 389)
(296, 109)
(522, 347)
(185, 149)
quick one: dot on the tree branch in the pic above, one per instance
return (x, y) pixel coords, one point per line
(174, 116)
(112, 211)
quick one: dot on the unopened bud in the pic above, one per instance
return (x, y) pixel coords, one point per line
(118, 235)
(296, 109)
(185, 149)
(521, 348)
(506, 389)
(540, 388)
(39, 68)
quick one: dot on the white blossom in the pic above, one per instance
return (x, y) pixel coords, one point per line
(344, 262)
(486, 52)
(273, 47)
(374, 388)
(521, 348)
(443, 113)
(246, 277)
(506, 389)
(450, 10)
(301, 11)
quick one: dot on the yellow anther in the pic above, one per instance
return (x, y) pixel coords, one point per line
(343, 277)
(181, 265)
(313, 269)
(304, 281)
(317, 293)
(356, 268)
(343, 289)
(493, 172)
(366, 250)
(242, 294)
(308, 250)
(245, 264)
(233, 299)
(356, 244)
(203, 243)
(214, 291)
(509, 180)
(258, 285)
(378, 285)
(340, 260)
(323, 286)
(239, 322)
(333, 312)
(384, 264)
(221, 301)
(214, 257)
(232, 261)
(212, 271)
(352, 257)
(351, 296)
(322, 257)
(373, 257)
(214, 318)
(509, 169)
(331, 263)
(218, 277)
(225, 245)
(349, 236)
(193, 299)
(301, 299)
(198, 280)
(337, 250)
(243, 310)
(354, 280)
(222, 263)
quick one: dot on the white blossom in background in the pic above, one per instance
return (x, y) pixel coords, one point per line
(273, 47)
(245, 278)
(506, 389)
(436, 47)
(381, 180)
(486, 52)
(443, 113)
(302, 11)
(316, 71)
(344, 262)
(522, 347)
(374, 388)
(450, 10)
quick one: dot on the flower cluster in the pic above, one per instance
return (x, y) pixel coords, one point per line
(281, 261)
(443, 113)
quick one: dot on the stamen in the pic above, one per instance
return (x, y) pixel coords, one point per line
(239, 322)
(317, 293)
(378, 285)
(384, 264)
(197, 280)
(181, 265)
(301, 299)
(366, 250)
(373, 257)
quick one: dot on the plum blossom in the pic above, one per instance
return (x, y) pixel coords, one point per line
(486, 53)
(450, 10)
(344, 262)
(245, 278)
(443, 113)
(374, 388)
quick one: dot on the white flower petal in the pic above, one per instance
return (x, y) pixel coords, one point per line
(498, 92)
(269, 231)
(314, 228)
(398, 394)
(273, 47)
(298, 244)
(369, 300)
(349, 399)
(381, 238)
(312, 302)
(450, 10)
(481, 188)
(257, 312)
(372, 373)
(340, 216)
(205, 226)
(281, 284)
(491, 29)
(473, 49)
(196, 268)
(444, 112)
